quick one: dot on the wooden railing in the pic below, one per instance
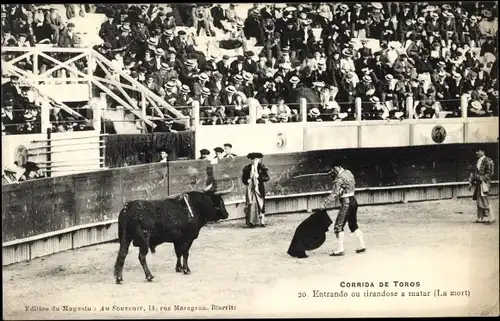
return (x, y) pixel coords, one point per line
(91, 59)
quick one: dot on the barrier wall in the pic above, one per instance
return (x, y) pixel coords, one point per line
(297, 137)
(70, 150)
(134, 149)
(272, 139)
(47, 205)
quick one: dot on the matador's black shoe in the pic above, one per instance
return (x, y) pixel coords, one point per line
(360, 250)
(338, 254)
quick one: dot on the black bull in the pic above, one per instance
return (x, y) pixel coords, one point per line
(176, 219)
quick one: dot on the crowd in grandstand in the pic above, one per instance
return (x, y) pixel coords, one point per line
(434, 53)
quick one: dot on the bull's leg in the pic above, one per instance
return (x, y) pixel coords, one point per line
(142, 238)
(185, 254)
(178, 253)
(143, 251)
(120, 260)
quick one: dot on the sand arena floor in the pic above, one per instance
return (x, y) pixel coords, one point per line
(434, 243)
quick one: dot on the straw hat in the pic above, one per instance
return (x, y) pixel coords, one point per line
(231, 89)
(294, 80)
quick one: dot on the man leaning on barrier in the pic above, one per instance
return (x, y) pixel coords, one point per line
(343, 188)
(480, 178)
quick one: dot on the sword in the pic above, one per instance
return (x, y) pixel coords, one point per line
(314, 174)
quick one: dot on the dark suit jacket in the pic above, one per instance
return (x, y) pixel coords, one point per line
(482, 176)
(65, 40)
(234, 68)
(263, 177)
(108, 31)
(250, 67)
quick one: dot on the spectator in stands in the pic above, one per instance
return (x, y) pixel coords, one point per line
(441, 48)
(204, 154)
(219, 155)
(163, 156)
(228, 150)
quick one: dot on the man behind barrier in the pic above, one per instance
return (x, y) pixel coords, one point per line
(343, 187)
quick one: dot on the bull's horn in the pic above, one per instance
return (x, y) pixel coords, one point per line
(207, 188)
(227, 191)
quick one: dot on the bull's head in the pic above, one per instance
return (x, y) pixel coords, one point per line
(218, 202)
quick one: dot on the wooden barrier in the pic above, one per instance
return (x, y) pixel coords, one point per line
(135, 149)
(54, 214)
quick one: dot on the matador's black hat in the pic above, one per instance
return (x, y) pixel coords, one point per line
(255, 155)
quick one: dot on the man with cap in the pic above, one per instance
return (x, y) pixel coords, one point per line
(10, 119)
(456, 86)
(321, 75)
(405, 30)
(480, 179)
(248, 87)
(237, 82)
(237, 65)
(180, 42)
(463, 30)
(202, 18)
(217, 82)
(140, 32)
(203, 99)
(365, 88)
(344, 186)
(347, 89)
(224, 66)
(160, 21)
(253, 25)
(210, 64)
(250, 65)
(254, 175)
(204, 153)
(470, 82)
(364, 51)
(289, 38)
(109, 28)
(170, 93)
(442, 89)
(488, 46)
(387, 92)
(359, 20)
(184, 99)
(219, 155)
(124, 40)
(218, 15)
(189, 72)
(161, 76)
(163, 156)
(200, 82)
(67, 37)
(11, 90)
(377, 18)
(228, 150)
(236, 39)
(403, 66)
(229, 99)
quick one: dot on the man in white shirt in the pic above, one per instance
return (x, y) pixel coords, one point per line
(219, 154)
(163, 156)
